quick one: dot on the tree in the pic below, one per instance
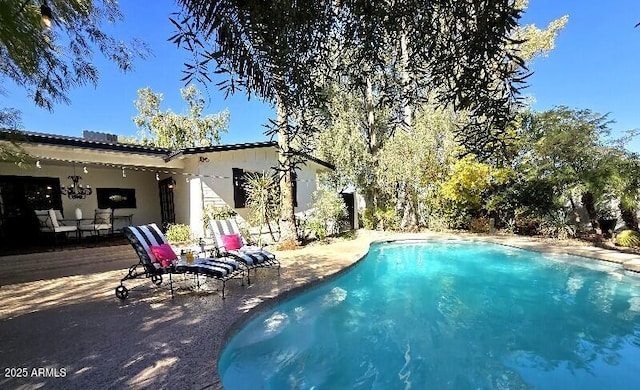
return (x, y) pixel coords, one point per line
(170, 130)
(567, 146)
(10, 149)
(47, 47)
(412, 164)
(282, 51)
(457, 50)
(364, 122)
(627, 188)
(268, 49)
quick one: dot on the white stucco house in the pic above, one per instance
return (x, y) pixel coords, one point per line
(141, 184)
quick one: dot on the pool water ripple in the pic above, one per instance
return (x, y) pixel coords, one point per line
(448, 315)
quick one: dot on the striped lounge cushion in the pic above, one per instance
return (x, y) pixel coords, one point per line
(251, 258)
(250, 255)
(220, 267)
(142, 238)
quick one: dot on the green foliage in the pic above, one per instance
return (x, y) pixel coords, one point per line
(528, 224)
(468, 182)
(449, 215)
(479, 225)
(380, 219)
(438, 223)
(348, 235)
(127, 140)
(628, 238)
(263, 199)
(537, 42)
(329, 209)
(174, 131)
(626, 184)
(368, 219)
(551, 224)
(342, 143)
(316, 228)
(557, 228)
(48, 61)
(11, 150)
(212, 213)
(568, 146)
(179, 233)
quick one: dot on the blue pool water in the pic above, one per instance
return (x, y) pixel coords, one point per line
(448, 315)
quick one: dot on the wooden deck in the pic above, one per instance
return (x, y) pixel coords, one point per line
(65, 262)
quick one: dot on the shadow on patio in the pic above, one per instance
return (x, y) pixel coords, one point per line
(149, 340)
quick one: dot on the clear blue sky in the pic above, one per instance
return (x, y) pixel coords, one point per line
(595, 65)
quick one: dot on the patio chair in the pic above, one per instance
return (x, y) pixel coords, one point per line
(49, 221)
(229, 242)
(102, 221)
(146, 239)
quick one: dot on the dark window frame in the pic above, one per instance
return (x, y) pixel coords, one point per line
(240, 194)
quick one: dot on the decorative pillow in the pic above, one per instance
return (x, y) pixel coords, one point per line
(231, 241)
(164, 254)
(102, 216)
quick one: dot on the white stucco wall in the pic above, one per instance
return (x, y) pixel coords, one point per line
(217, 186)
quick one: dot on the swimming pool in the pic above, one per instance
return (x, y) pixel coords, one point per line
(448, 314)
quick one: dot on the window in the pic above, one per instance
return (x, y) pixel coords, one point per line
(240, 194)
(19, 197)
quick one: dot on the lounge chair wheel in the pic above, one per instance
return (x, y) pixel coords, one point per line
(156, 279)
(122, 292)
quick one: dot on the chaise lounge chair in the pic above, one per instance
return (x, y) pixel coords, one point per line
(149, 243)
(229, 242)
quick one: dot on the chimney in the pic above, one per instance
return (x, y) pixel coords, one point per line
(99, 137)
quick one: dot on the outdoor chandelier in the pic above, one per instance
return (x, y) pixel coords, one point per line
(76, 190)
(45, 15)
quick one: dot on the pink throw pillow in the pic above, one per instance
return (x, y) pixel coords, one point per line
(231, 242)
(164, 254)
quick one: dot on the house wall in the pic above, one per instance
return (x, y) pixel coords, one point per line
(217, 187)
(144, 183)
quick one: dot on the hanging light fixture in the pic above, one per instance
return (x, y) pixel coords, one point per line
(75, 190)
(45, 15)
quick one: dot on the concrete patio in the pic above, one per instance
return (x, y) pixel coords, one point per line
(150, 340)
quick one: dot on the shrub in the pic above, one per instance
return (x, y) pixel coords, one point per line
(557, 229)
(387, 218)
(179, 233)
(628, 238)
(380, 219)
(313, 228)
(328, 211)
(479, 225)
(368, 219)
(528, 225)
(212, 212)
(437, 223)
